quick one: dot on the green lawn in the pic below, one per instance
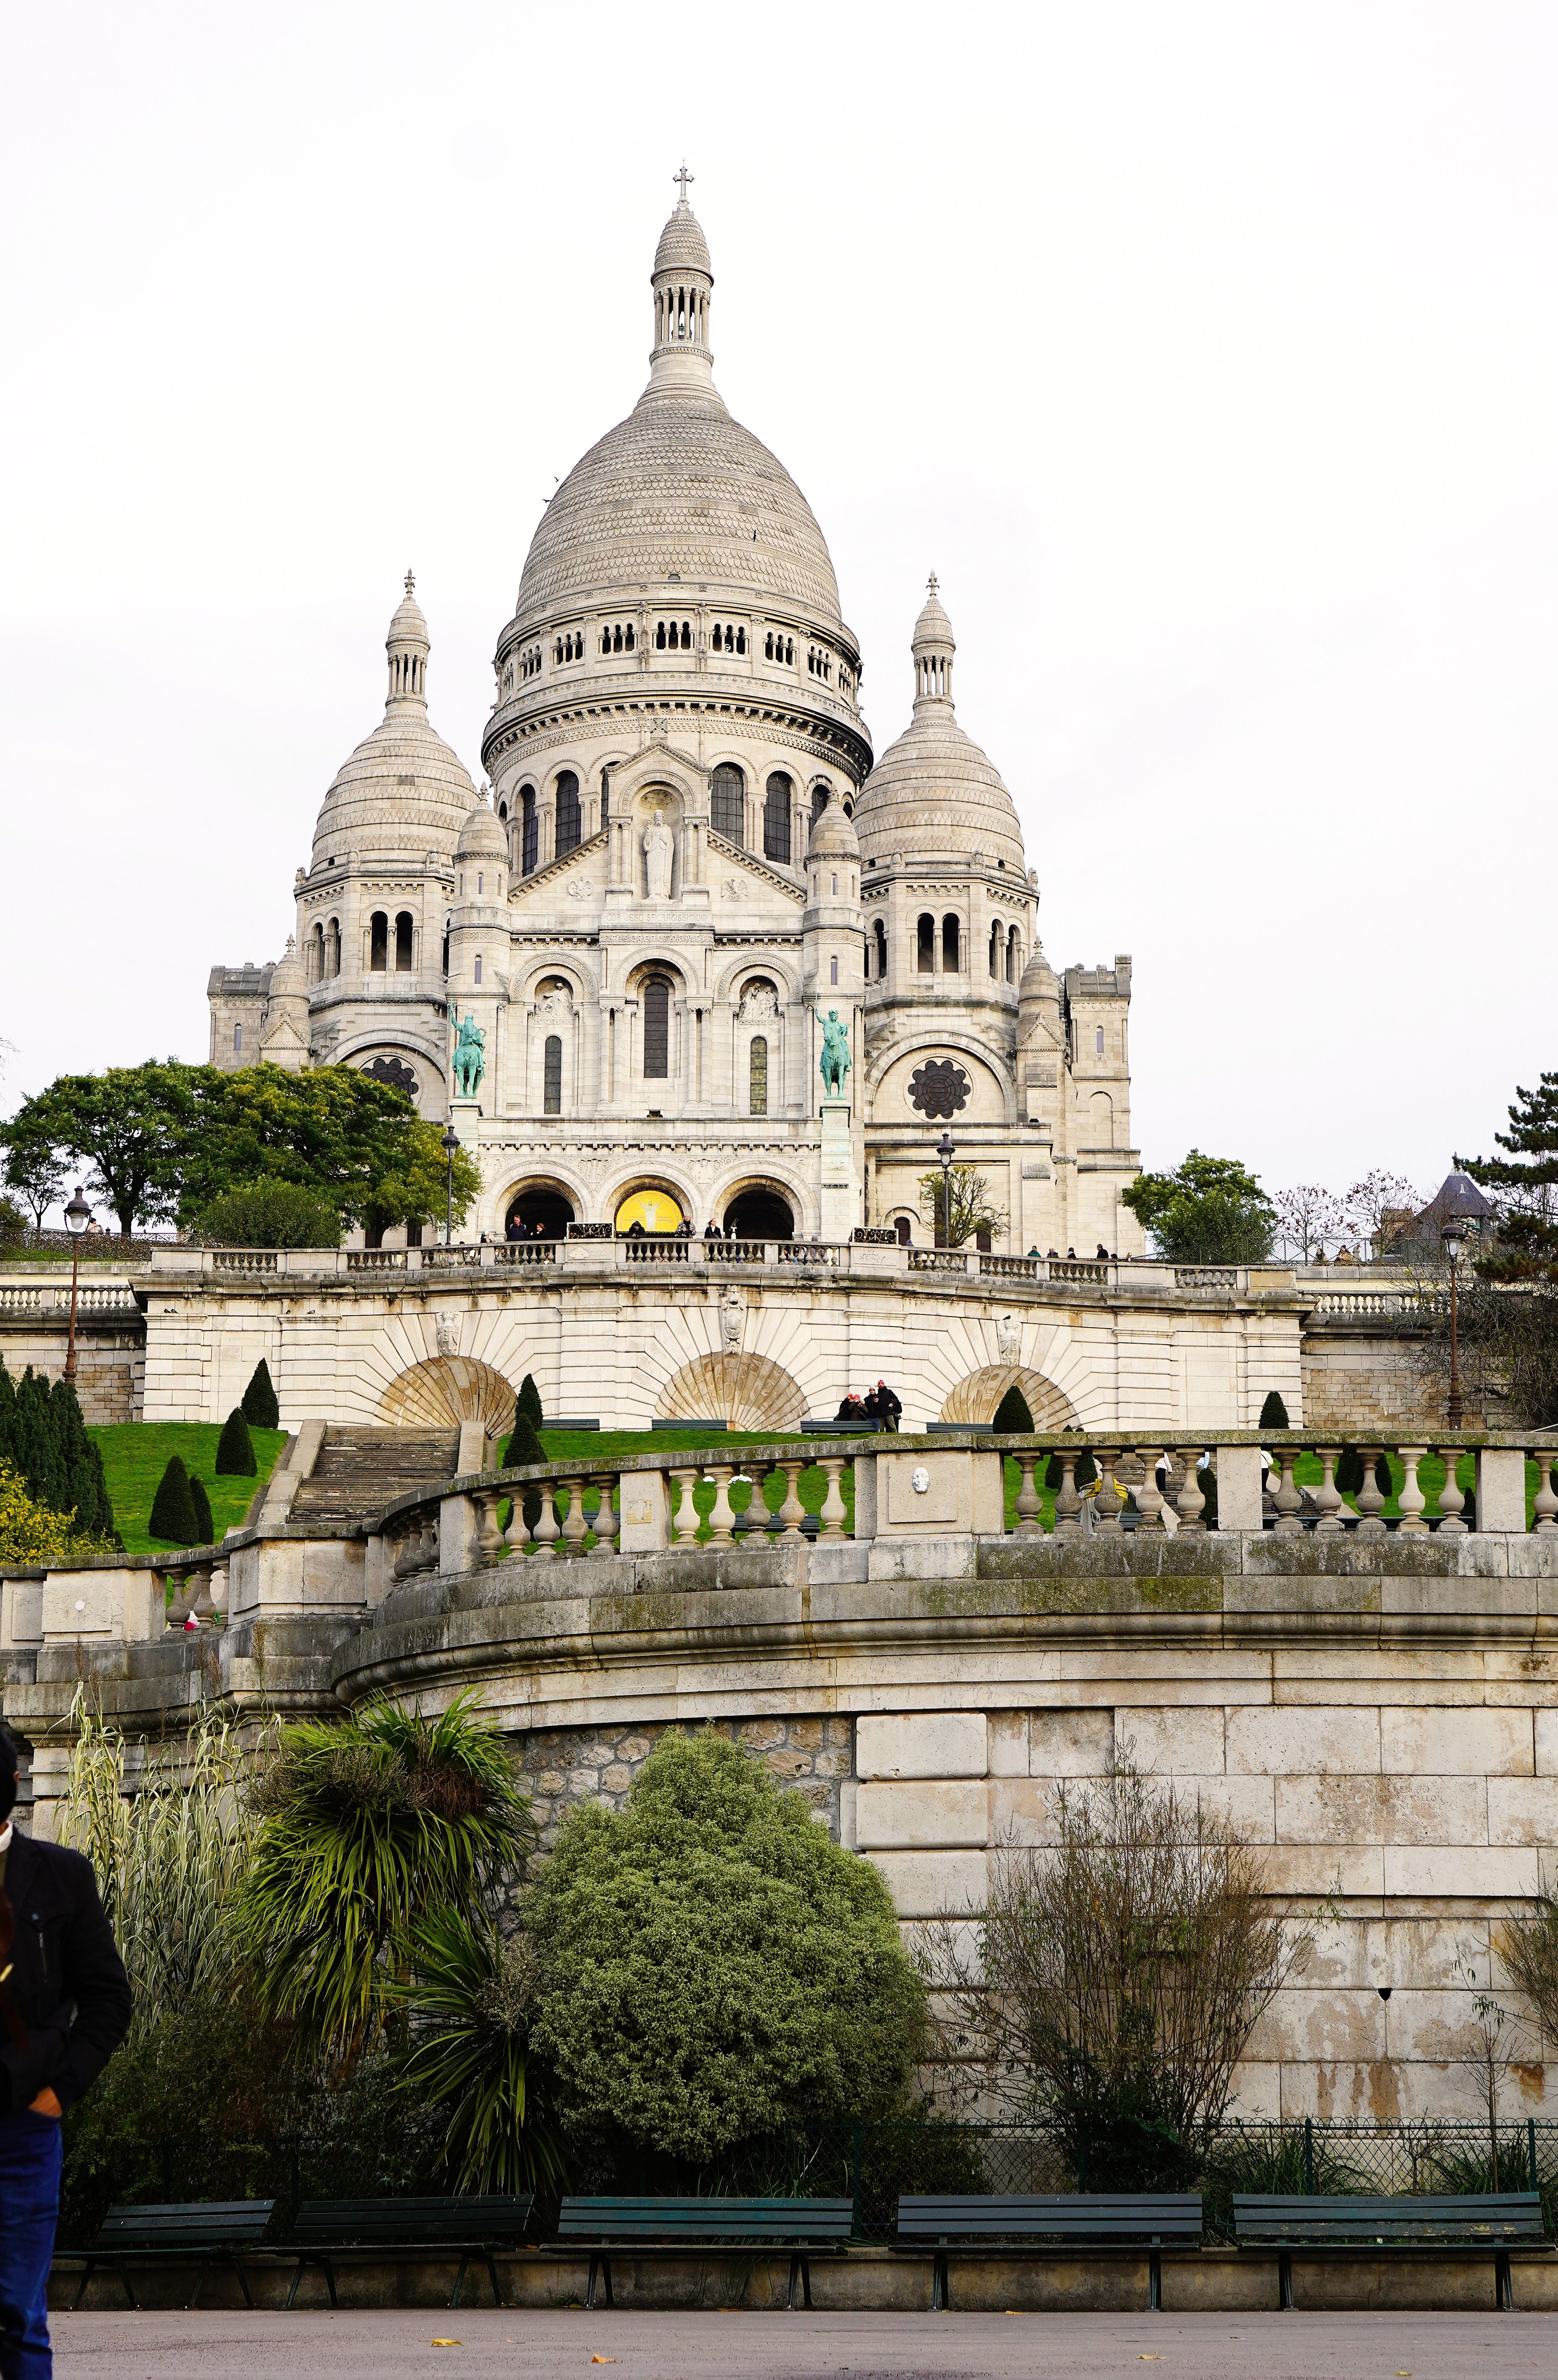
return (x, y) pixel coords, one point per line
(135, 1454)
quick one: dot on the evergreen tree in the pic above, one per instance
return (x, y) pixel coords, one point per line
(205, 1527)
(235, 1449)
(528, 1402)
(1349, 1472)
(37, 1450)
(1084, 1475)
(173, 1508)
(1273, 1413)
(7, 1414)
(1011, 1412)
(260, 1408)
(524, 1446)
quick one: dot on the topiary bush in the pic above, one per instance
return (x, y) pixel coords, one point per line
(1011, 1412)
(528, 1402)
(1273, 1413)
(271, 1215)
(524, 1446)
(235, 1449)
(260, 1408)
(173, 1506)
(714, 1967)
(205, 1527)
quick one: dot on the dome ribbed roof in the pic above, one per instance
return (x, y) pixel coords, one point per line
(682, 248)
(481, 837)
(934, 794)
(403, 793)
(681, 487)
(834, 831)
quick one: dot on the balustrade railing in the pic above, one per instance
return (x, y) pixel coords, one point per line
(243, 1260)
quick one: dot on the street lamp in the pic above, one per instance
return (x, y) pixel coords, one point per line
(451, 1142)
(78, 1215)
(946, 1152)
(1453, 1238)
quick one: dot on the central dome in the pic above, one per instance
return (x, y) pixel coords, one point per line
(679, 491)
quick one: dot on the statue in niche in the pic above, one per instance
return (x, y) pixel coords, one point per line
(556, 1000)
(834, 1060)
(470, 1063)
(446, 1331)
(758, 999)
(657, 858)
(1008, 1338)
(733, 1320)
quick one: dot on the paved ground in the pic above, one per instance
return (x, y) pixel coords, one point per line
(535, 2346)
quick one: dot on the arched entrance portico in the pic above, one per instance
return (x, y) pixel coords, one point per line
(445, 1390)
(975, 1396)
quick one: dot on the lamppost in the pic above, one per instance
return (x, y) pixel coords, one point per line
(1453, 1238)
(451, 1142)
(78, 1215)
(946, 1152)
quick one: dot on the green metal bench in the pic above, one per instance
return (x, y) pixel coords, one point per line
(1485, 2219)
(1144, 2217)
(470, 2227)
(211, 2230)
(664, 2224)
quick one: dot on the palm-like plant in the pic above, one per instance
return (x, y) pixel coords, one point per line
(368, 1826)
(471, 2000)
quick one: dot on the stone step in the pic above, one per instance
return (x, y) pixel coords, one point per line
(361, 1469)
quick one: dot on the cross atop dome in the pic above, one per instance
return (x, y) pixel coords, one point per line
(684, 177)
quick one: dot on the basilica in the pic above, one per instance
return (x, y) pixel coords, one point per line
(692, 955)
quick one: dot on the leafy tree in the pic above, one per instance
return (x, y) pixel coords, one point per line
(235, 1449)
(32, 1167)
(13, 1225)
(714, 1965)
(270, 1214)
(173, 1508)
(1209, 1210)
(971, 1208)
(471, 2003)
(33, 1532)
(205, 1527)
(1273, 1413)
(260, 1408)
(1525, 1184)
(369, 1827)
(130, 1130)
(1011, 1412)
(45, 1439)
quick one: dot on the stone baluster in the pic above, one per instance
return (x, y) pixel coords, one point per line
(1068, 1503)
(199, 1603)
(1029, 1502)
(1370, 1497)
(1288, 1502)
(1545, 1516)
(178, 1601)
(428, 1554)
(684, 1521)
(607, 1524)
(576, 1525)
(489, 1536)
(1412, 1497)
(546, 1531)
(217, 1587)
(743, 1523)
(1452, 1501)
(833, 1515)
(722, 1520)
(792, 1512)
(1107, 1504)
(405, 1555)
(1149, 1496)
(1190, 1503)
(1328, 1496)
(519, 1531)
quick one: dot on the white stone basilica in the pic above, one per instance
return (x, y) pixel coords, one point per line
(685, 861)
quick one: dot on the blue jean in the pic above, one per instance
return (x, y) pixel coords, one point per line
(30, 2164)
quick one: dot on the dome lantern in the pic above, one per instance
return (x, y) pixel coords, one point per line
(682, 282)
(407, 648)
(933, 647)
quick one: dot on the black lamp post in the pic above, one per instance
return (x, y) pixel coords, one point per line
(1453, 1238)
(946, 1152)
(451, 1142)
(78, 1215)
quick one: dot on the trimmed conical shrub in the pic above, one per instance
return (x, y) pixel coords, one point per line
(1382, 1479)
(528, 1402)
(1349, 1472)
(1273, 1413)
(235, 1449)
(1011, 1412)
(205, 1527)
(524, 1446)
(173, 1508)
(260, 1408)
(1084, 1475)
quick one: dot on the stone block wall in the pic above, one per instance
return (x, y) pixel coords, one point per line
(563, 1765)
(1361, 1379)
(110, 1358)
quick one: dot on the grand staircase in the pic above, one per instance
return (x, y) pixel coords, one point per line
(361, 1471)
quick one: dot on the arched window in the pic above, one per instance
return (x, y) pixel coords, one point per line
(949, 944)
(657, 1028)
(881, 950)
(238, 1040)
(728, 804)
(925, 957)
(1014, 956)
(402, 932)
(902, 1226)
(757, 1067)
(995, 947)
(378, 941)
(552, 1085)
(776, 806)
(445, 945)
(660, 637)
(316, 955)
(605, 799)
(567, 812)
(687, 636)
(819, 802)
(527, 830)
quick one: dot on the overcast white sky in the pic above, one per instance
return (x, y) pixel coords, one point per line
(1207, 353)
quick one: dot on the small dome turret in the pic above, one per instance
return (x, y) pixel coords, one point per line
(933, 795)
(833, 833)
(481, 837)
(403, 795)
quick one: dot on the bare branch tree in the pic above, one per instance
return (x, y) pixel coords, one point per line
(971, 1208)
(1307, 1216)
(1369, 1203)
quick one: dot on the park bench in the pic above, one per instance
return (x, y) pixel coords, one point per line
(662, 2225)
(468, 2227)
(1149, 2218)
(1486, 2219)
(209, 2231)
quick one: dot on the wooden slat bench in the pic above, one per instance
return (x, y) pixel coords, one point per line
(1150, 2218)
(662, 2225)
(1484, 2219)
(209, 2231)
(468, 2227)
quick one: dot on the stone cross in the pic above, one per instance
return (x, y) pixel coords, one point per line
(684, 177)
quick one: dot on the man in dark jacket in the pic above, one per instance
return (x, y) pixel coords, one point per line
(64, 2006)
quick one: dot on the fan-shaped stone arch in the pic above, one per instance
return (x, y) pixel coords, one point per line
(446, 1390)
(748, 1391)
(977, 1395)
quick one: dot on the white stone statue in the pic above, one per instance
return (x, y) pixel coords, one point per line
(757, 1000)
(1008, 1338)
(447, 1330)
(657, 858)
(732, 1318)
